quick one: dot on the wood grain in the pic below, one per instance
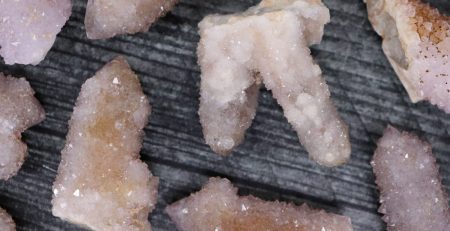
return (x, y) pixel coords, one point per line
(270, 163)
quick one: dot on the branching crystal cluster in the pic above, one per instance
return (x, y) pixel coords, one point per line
(107, 18)
(28, 28)
(268, 44)
(416, 40)
(218, 207)
(101, 182)
(412, 197)
(19, 110)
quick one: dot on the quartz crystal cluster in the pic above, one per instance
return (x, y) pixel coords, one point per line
(107, 18)
(28, 28)
(218, 207)
(416, 40)
(6, 222)
(101, 182)
(412, 197)
(19, 110)
(268, 44)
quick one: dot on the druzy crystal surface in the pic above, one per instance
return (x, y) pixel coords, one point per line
(19, 110)
(412, 197)
(416, 40)
(107, 18)
(6, 222)
(28, 28)
(218, 207)
(101, 182)
(268, 44)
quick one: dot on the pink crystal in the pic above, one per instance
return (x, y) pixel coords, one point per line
(19, 111)
(105, 18)
(101, 182)
(6, 221)
(416, 40)
(218, 207)
(28, 28)
(268, 43)
(412, 197)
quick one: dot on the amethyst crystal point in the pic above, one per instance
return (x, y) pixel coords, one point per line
(412, 197)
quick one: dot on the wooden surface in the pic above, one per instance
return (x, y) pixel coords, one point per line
(270, 163)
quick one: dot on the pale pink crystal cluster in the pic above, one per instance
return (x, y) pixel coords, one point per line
(19, 110)
(218, 207)
(6, 221)
(412, 197)
(107, 18)
(101, 182)
(416, 40)
(268, 44)
(28, 28)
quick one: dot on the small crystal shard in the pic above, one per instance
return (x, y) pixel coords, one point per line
(106, 18)
(416, 40)
(28, 28)
(218, 207)
(6, 221)
(268, 43)
(412, 197)
(19, 110)
(101, 182)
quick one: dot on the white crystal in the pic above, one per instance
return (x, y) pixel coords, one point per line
(218, 207)
(95, 178)
(19, 111)
(106, 18)
(28, 28)
(268, 43)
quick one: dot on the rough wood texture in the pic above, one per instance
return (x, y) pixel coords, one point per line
(270, 163)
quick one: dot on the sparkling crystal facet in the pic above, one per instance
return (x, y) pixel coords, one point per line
(218, 207)
(106, 18)
(19, 110)
(101, 182)
(28, 28)
(412, 197)
(268, 44)
(416, 40)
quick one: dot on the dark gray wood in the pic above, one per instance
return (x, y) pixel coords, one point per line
(270, 163)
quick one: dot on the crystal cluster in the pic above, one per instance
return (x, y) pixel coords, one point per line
(101, 182)
(416, 40)
(218, 207)
(268, 44)
(28, 28)
(106, 18)
(6, 222)
(19, 110)
(412, 197)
